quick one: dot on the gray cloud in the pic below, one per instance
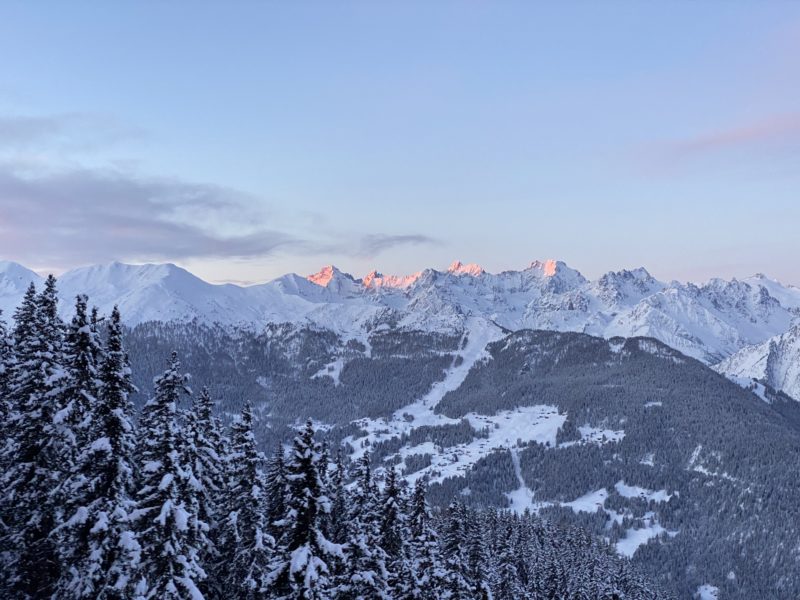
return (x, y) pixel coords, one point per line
(67, 218)
(373, 244)
(62, 217)
(84, 216)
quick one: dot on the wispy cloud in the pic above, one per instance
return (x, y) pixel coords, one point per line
(373, 244)
(757, 139)
(67, 218)
(773, 131)
(62, 216)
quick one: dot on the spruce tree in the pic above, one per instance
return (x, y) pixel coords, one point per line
(365, 575)
(206, 453)
(454, 547)
(305, 557)
(168, 530)
(337, 521)
(6, 365)
(277, 488)
(40, 453)
(252, 545)
(423, 547)
(507, 584)
(81, 350)
(101, 550)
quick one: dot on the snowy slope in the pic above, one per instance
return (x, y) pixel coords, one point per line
(775, 362)
(14, 280)
(710, 322)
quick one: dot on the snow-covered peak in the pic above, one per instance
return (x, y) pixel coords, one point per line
(459, 268)
(14, 280)
(787, 295)
(548, 268)
(775, 362)
(324, 276)
(14, 270)
(374, 279)
(710, 321)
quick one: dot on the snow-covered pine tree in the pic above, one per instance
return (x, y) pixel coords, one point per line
(207, 459)
(364, 575)
(424, 547)
(337, 521)
(81, 349)
(277, 487)
(477, 555)
(393, 536)
(507, 584)
(252, 546)
(454, 547)
(393, 521)
(101, 550)
(6, 364)
(168, 531)
(39, 455)
(305, 557)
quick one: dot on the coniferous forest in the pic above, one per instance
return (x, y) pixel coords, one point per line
(99, 501)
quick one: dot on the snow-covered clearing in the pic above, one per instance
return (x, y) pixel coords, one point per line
(591, 502)
(332, 370)
(634, 491)
(506, 429)
(595, 435)
(634, 538)
(588, 502)
(707, 592)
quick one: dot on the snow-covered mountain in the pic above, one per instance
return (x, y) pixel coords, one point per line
(711, 321)
(775, 362)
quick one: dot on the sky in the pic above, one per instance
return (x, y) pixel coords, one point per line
(245, 140)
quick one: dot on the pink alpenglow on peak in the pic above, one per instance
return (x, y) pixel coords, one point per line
(374, 279)
(324, 276)
(548, 267)
(459, 268)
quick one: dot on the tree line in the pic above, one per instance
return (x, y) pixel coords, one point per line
(97, 502)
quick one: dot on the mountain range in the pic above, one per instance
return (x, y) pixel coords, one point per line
(598, 403)
(747, 328)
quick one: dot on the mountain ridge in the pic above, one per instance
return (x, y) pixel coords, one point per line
(710, 321)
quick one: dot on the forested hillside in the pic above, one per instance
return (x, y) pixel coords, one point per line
(102, 501)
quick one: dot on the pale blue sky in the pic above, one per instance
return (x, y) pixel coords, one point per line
(245, 140)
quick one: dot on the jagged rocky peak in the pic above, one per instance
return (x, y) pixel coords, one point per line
(459, 268)
(375, 279)
(558, 277)
(548, 268)
(326, 274)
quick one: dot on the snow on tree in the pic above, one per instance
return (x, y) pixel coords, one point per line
(168, 528)
(507, 584)
(248, 562)
(277, 488)
(205, 451)
(424, 547)
(454, 547)
(98, 545)
(81, 350)
(365, 575)
(305, 557)
(6, 365)
(39, 454)
(337, 519)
